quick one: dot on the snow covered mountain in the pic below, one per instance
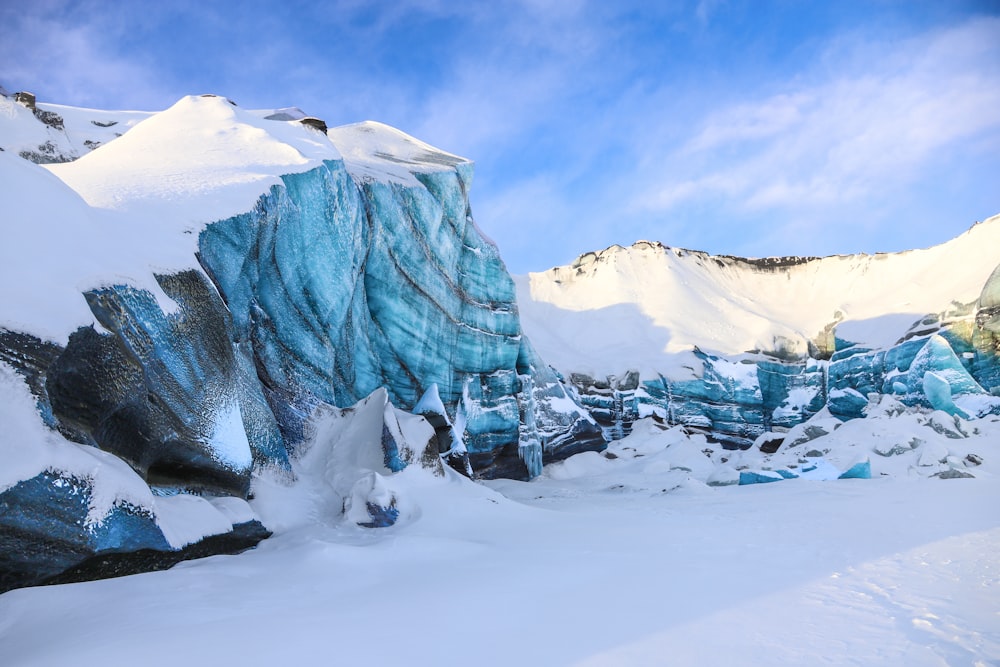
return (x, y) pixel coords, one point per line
(740, 346)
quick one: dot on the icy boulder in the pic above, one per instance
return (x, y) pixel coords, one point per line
(748, 477)
(938, 392)
(860, 470)
(939, 358)
(723, 475)
(821, 424)
(371, 504)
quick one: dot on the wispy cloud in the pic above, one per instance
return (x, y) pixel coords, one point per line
(842, 138)
(61, 55)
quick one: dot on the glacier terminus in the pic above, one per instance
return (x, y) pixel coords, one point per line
(203, 300)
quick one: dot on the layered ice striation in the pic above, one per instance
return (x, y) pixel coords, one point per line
(369, 272)
(736, 399)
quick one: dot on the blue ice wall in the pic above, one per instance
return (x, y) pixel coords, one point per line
(734, 404)
(340, 285)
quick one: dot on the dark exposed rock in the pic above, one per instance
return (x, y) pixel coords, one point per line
(47, 153)
(771, 444)
(315, 123)
(244, 536)
(25, 98)
(952, 473)
(810, 432)
(50, 118)
(288, 113)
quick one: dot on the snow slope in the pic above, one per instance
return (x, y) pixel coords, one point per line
(644, 306)
(135, 206)
(58, 133)
(601, 561)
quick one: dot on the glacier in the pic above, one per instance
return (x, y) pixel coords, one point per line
(737, 348)
(227, 274)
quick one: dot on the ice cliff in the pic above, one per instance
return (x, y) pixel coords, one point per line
(181, 300)
(738, 347)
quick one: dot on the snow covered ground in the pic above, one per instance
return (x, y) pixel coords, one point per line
(623, 558)
(643, 555)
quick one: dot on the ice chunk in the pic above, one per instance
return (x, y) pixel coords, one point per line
(723, 475)
(759, 477)
(938, 392)
(931, 454)
(820, 469)
(860, 470)
(946, 424)
(894, 447)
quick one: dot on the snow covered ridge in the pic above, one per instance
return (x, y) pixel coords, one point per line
(740, 347)
(191, 293)
(672, 299)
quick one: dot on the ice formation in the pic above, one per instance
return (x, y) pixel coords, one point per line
(739, 347)
(192, 292)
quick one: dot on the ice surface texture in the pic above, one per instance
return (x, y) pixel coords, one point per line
(341, 285)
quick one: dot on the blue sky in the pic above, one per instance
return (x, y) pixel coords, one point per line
(746, 127)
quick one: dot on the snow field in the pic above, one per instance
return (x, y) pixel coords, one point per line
(630, 560)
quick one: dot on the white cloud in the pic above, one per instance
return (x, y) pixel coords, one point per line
(57, 53)
(746, 122)
(845, 138)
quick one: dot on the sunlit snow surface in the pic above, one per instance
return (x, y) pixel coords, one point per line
(627, 559)
(646, 306)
